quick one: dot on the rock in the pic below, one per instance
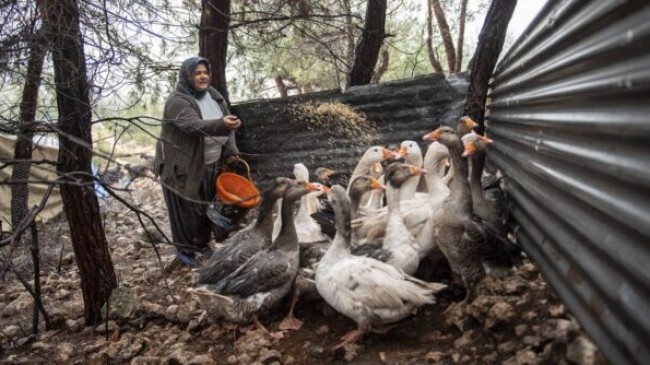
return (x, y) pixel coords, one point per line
(556, 311)
(316, 351)
(558, 329)
(500, 312)
(11, 330)
(490, 358)
(102, 330)
(146, 360)
(464, 340)
(18, 305)
(521, 329)
(62, 294)
(123, 304)
(232, 360)
(582, 351)
(507, 347)
(268, 357)
(532, 341)
(179, 356)
(323, 330)
(351, 351)
(202, 360)
(530, 315)
(74, 325)
(63, 352)
(434, 357)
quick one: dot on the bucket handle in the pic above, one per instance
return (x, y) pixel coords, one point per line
(248, 168)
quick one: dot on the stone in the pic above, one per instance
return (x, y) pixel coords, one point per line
(558, 329)
(202, 360)
(434, 357)
(102, 330)
(556, 311)
(146, 360)
(123, 304)
(75, 325)
(351, 351)
(316, 351)
(521, 329)
(499, 313)
(507, 347)
(11, 330)
(582, 351)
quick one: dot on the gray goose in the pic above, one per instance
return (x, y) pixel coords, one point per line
(450, 222)
(241, 246)
(258, 285)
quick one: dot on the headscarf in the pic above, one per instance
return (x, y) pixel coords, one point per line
(184, 75)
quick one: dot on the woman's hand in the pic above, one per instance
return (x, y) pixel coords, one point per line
(231, 122)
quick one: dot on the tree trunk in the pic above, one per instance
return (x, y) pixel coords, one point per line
(441, 19)
(282, 88)
(367, 50)
(382, 67)
(461, 36)
(75, 152)
(23, 147)
(431, 52)
(213, 40)
(482, 65)
(349, 36)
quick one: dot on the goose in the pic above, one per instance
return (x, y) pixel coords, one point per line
(464, 126)
(490, 215)
(259, 284)
(460, 236)
(312, 252)
(242, 245)
(370, 164)
(398, 240)
(358, 186)
(323, 175)
(370, 292)
(308, 230)
(412, 155)
(371, 225)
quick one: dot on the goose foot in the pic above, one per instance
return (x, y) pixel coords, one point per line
(276, 336)
(350, 337)
(290, 323)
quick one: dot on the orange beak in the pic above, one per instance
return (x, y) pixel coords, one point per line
(470, 149)
(468, 122)
(486, 140)
(432, 136)
(375, 184)
(417, 171)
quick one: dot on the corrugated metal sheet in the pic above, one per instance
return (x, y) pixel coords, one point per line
(397, 111)
(569, 112)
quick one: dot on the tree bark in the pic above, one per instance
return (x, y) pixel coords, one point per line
(367, 50)
(282, 87)
(75, 152)
(213, 40)
(447, 42)
(461, 36)
(482, 65)
(384, 59)
(431, 52)
(23, 147)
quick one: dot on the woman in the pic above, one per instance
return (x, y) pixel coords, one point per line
(197, 133)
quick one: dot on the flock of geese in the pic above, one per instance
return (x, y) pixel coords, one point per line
(358, 248)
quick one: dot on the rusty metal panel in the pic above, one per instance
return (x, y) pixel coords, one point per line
(569, 112)
(278, 136)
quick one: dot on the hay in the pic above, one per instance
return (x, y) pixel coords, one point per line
(342, 119)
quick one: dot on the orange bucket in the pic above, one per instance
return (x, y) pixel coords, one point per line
(234, 189)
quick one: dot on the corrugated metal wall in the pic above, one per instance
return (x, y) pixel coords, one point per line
(398, 110)
(569, 112)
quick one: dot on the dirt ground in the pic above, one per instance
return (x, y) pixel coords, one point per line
(517, 319)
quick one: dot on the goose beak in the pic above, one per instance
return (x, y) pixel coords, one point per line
(432, 136)
(486, 140)
(390, 155)
(468, 122)
(417, 171)
(470, 149)
(313, 186)
(404, 151)
(375, 184)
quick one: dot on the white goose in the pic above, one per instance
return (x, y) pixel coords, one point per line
(370, 164)
(371, 225)
(370, 292)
